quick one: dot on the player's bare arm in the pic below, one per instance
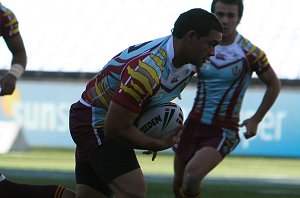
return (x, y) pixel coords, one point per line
(273, 86)
(16, 46)
(121, 129)
(19, 61)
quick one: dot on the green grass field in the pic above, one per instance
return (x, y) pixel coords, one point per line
(236, 177)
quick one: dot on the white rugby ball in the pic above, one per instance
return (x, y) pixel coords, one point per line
(160, 119)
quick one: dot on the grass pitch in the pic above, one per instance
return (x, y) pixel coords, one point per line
(236, 177)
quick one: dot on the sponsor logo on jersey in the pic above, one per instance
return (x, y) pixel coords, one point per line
(236, 70)
(220, 57)
(175, 79)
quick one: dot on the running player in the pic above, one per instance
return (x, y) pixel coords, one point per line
(211, 130)
(102, 121)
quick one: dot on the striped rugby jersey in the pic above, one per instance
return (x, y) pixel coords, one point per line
(141, 75)
(222, 83)
(8, 22)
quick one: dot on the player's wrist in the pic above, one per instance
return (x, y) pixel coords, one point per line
(16, 70)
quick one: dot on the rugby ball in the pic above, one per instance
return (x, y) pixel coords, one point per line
(160, 119)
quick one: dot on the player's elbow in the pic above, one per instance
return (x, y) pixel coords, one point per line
(110, 132)
(276, 86)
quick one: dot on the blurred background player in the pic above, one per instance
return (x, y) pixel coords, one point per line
(211, 130)
(102, 121)
(9, 30)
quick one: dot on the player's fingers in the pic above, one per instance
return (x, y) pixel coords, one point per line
(154, 155)
(243, 124)
(248, 135)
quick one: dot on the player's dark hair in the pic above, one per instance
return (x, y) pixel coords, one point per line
(196, 19)
(239, 3)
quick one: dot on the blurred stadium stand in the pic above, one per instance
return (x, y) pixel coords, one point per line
(73, 37)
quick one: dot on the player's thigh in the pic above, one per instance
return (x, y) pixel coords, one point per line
(88, 182)
(131, 184)
(204, 160)
(117, 166)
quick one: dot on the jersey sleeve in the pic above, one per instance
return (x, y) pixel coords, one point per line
(9, 23)
(259, 62)
(257, 58)
(139, 81)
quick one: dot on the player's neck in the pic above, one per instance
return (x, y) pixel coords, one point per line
(227, 40)
(178, 59)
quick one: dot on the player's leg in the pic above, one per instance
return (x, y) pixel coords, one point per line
(88, 184)
(106, 162)
(117, 165)
(87, 191)
(179, 166)
(201, 163)
(215, 143)
(129, 185)
(184, 150)
(16, 190)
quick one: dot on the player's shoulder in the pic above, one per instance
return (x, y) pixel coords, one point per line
(155, 57)
(250, 48)
(6, 12)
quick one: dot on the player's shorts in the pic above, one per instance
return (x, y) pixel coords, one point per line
(196, 136)
(98, 163)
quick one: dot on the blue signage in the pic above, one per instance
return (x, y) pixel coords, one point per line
(42, 109)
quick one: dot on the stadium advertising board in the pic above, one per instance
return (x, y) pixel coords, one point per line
(41, 109)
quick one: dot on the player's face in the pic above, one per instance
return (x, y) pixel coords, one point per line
(228, 16)
(204, 47)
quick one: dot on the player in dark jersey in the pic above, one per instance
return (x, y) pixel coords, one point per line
(9, 30)
(102, 121)
(211, 130)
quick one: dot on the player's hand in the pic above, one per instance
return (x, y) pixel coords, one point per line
(154, 154)
(251, 128)
(171, 138)
(8, 84)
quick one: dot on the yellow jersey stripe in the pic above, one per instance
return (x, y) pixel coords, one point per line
(251, 50)
(150, 70)
(139, 77)
(259, 56)
(8, 12)
(11, 23)
(137, 88)
(131, 92)
(99, 94)
(245, 43)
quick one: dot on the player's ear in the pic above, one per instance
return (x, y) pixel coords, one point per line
(190, 36)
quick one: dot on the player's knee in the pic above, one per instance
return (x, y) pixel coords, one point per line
(83, 191)
(136, 190)
(191, 182)
(128, 193)
(176, 186)
(67, 193)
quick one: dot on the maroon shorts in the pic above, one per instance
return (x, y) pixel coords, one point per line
(82, 131)
(196, 136)
(98, 161)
